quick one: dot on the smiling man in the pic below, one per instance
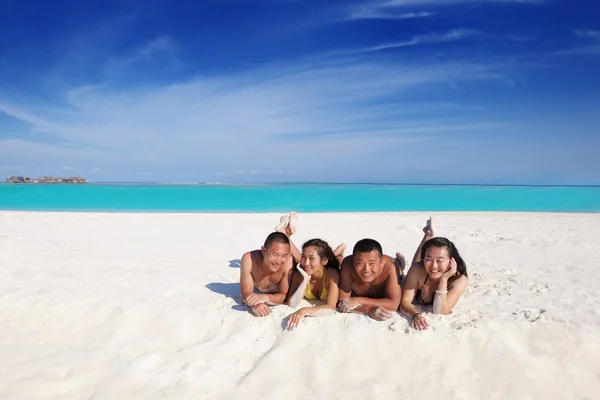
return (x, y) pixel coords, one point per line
(369, 282)
(266, 270)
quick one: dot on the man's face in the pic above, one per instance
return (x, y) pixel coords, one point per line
(368, 265)
(276, 255)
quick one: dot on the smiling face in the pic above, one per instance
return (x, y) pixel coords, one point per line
(311, 260)
(436, 261)
(275, 256)
(368, 265)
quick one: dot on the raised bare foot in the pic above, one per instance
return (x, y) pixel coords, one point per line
(287, 224)
(339, 251)
(283, 224)
(400, 261)
(428, 229)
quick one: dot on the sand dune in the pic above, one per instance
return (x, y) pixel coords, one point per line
(147, 306)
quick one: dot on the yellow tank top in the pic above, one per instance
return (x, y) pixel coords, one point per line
(310, 296)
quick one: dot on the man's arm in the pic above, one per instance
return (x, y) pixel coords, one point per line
(246, 280)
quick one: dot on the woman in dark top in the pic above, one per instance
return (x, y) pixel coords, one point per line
(437, 276)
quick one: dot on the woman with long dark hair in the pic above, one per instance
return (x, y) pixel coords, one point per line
(316, 277)
(437, 276)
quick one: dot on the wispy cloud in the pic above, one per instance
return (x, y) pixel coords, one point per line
(588, 33)
(588, 49)
(451, 36)
(253, 172)
(411, 3)
(194, 124)
(396, 9)
(158, 45)
(379, 13)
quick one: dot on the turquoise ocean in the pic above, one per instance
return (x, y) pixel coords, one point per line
(298, 197)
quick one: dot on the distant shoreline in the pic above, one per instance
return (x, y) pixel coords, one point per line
(76, 180)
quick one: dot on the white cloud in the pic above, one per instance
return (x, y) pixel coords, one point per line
(592, 49)
(160, 44)
(451, 36)
(275, 118)
(396, 9)
(588, 33)
(377, 13)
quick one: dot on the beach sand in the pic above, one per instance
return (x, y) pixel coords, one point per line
(146, 306)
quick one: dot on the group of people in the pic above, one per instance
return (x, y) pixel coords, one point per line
(367, 281)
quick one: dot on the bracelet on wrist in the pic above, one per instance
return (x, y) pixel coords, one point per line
(441, 291)
(414, 316)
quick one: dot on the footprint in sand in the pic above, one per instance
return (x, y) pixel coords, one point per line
(537, 288)
(531, 314)
(394, 326)
(147, 363)
(154, 369)
(470, 320)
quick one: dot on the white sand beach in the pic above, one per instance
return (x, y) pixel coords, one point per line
(146, 306)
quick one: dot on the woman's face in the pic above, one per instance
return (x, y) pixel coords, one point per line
(311, 261)
(437, 261)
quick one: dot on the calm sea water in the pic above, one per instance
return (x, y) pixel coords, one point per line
(303, 198)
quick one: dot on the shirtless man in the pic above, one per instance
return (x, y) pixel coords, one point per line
(267, 270)
(370, 282)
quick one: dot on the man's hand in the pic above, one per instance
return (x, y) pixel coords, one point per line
(348, 304)
(261, 310)
(380, 314)
(255, 299)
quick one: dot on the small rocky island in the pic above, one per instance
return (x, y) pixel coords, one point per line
(46, 179)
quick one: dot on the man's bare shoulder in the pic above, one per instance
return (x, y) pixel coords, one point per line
(347, 262)
(252, 255)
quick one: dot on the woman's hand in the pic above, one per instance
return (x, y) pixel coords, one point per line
(452, 270)
(419, 322)
(295, 318)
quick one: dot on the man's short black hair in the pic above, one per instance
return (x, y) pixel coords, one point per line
(276, 237)
(367, 246)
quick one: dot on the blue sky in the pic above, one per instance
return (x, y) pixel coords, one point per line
(431, 91)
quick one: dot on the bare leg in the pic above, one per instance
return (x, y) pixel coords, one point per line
(339, 252)
(429, 233)
(400, 261)
(287, 226)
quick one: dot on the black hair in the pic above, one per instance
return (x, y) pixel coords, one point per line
(324, 251)
(461, 267)
(367, 246)
(276, 237)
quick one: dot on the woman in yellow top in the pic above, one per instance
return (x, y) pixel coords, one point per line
(317, 277)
